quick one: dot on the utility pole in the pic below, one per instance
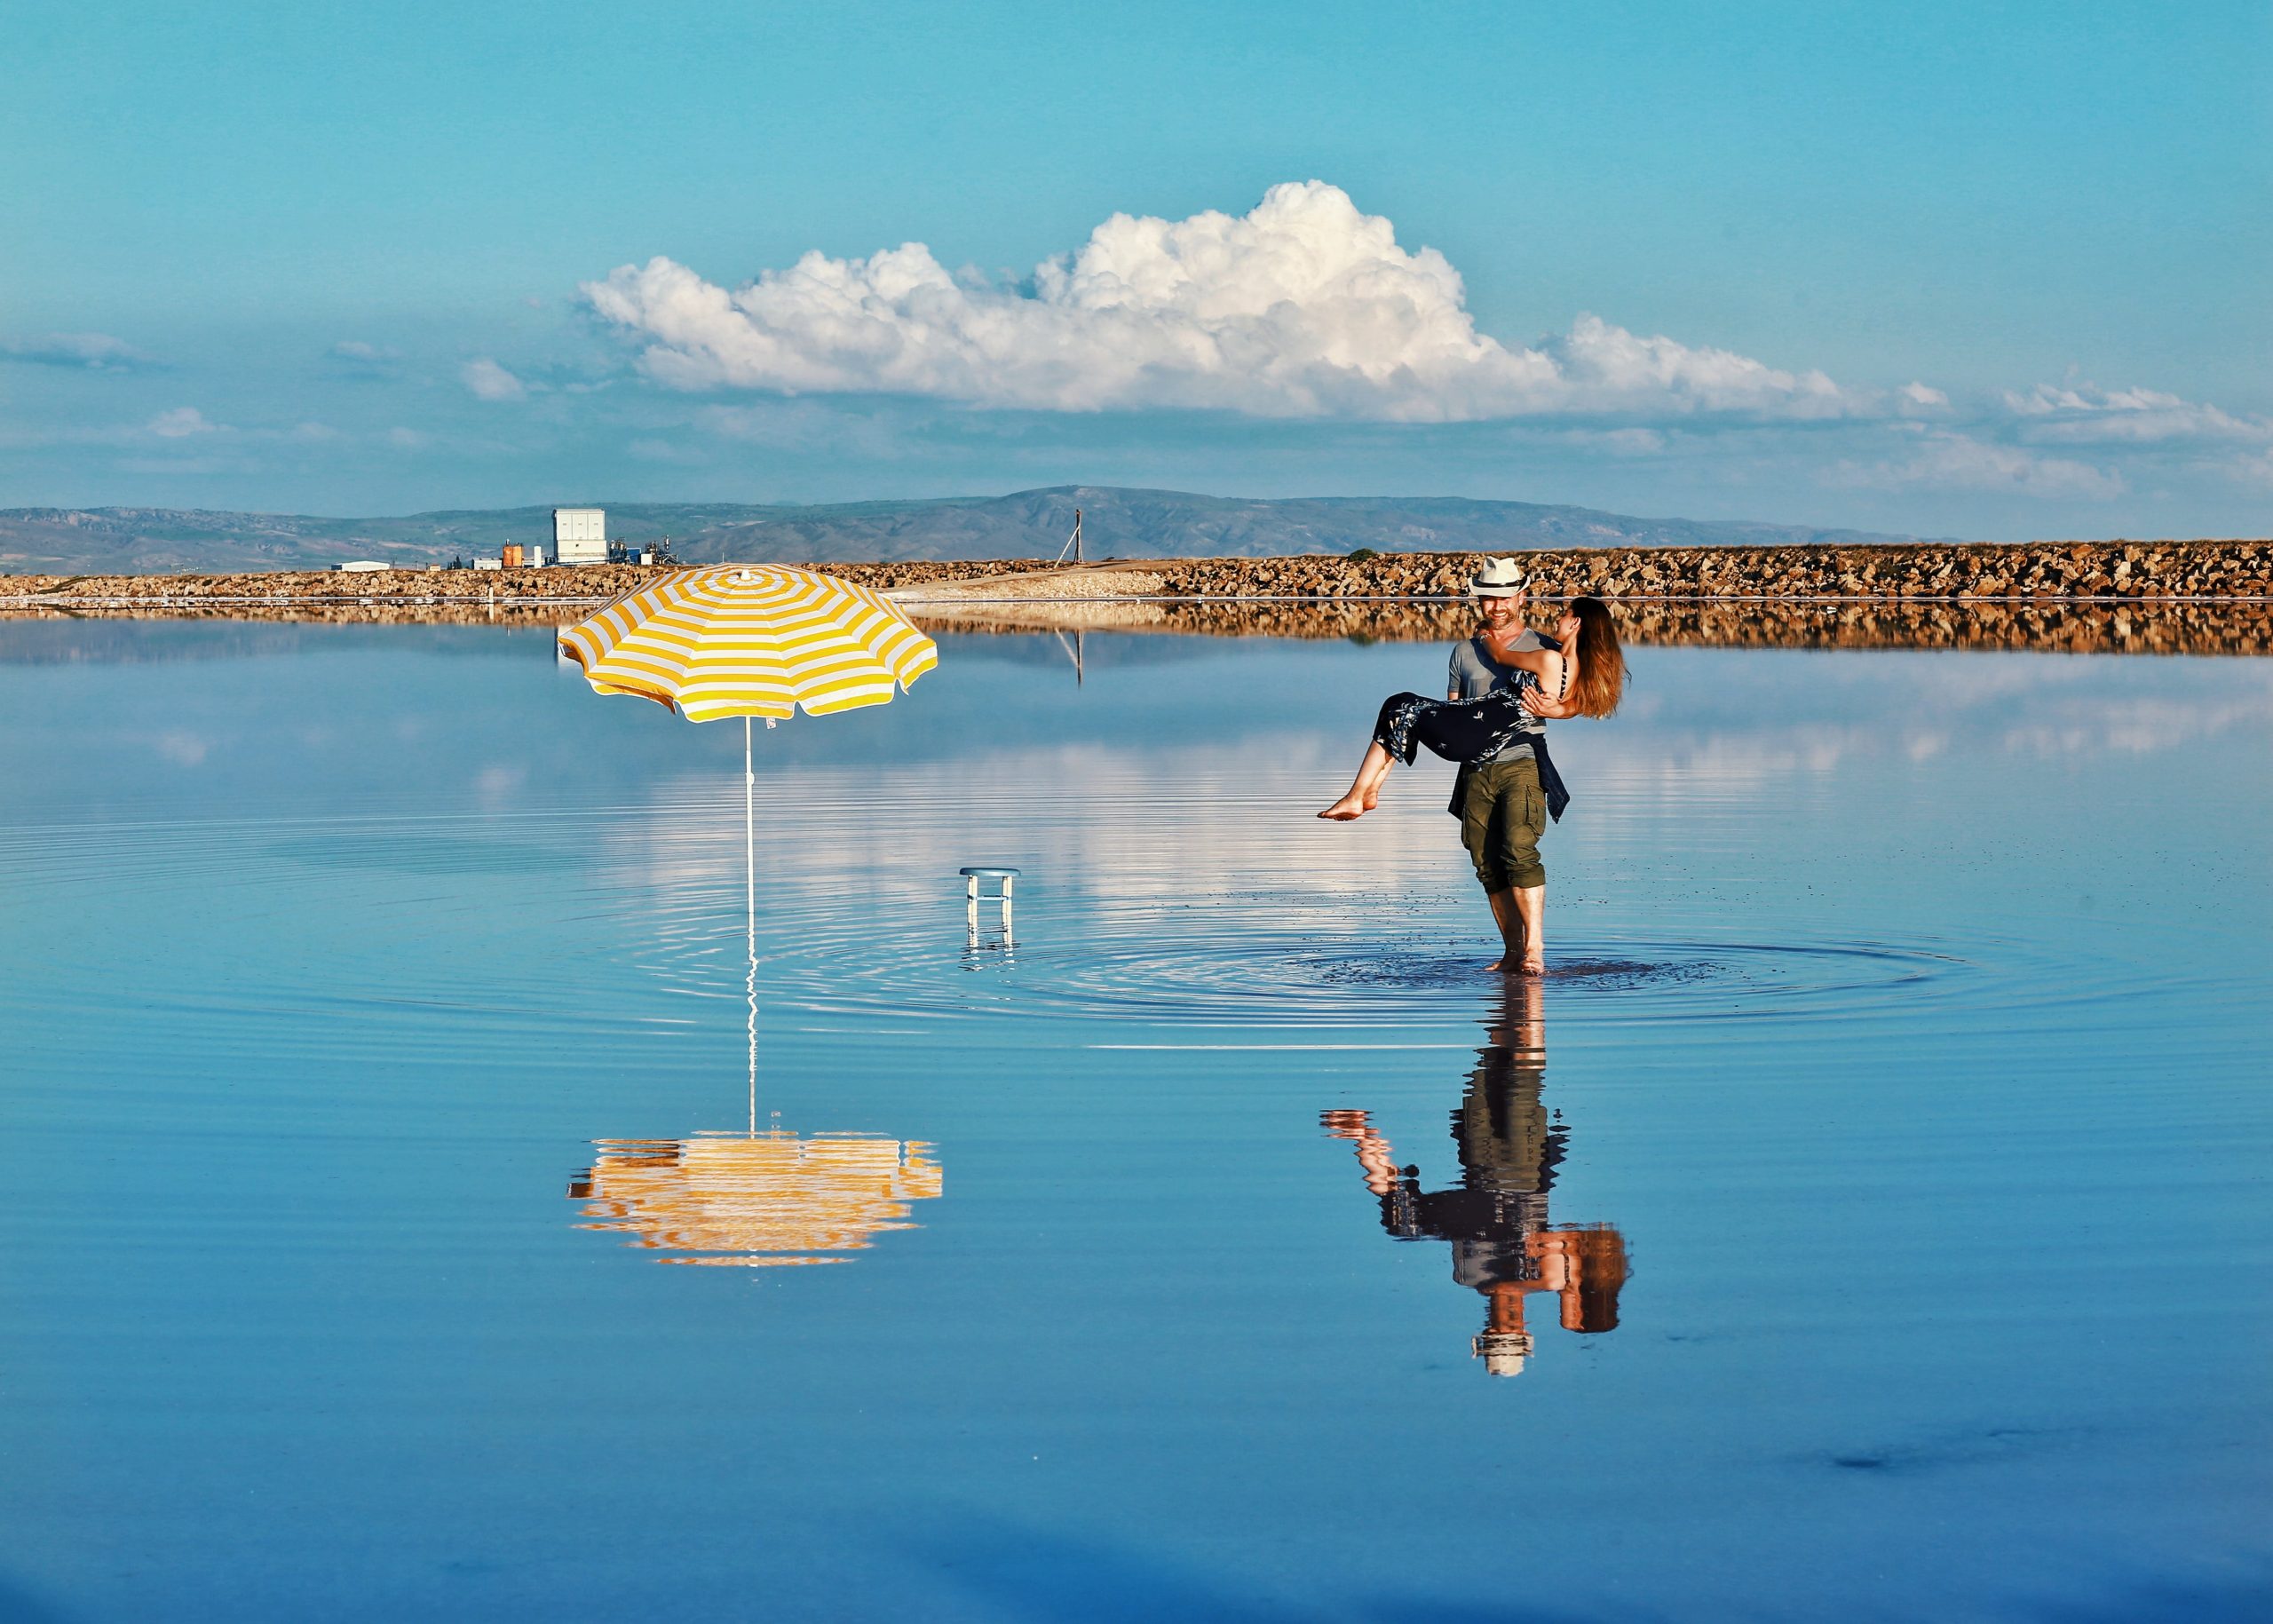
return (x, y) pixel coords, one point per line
(1072, 542)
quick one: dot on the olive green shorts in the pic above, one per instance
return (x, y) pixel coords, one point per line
(1500, 822)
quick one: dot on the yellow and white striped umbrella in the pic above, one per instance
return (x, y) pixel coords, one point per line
(752, 640)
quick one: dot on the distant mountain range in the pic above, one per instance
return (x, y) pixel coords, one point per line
(1116, 523)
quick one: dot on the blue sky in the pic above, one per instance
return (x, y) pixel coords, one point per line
(1977, 269)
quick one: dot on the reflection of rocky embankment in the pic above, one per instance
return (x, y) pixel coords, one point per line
(2143, 596)
(384, 612)
(2149, 627)
(2152, 627)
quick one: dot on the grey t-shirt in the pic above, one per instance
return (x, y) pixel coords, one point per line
(1473, 676)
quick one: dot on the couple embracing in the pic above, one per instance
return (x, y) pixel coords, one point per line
(1505, 681)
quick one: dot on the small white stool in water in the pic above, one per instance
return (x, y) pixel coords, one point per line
(1006, 881)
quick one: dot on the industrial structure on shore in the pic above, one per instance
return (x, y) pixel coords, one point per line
(579, 537)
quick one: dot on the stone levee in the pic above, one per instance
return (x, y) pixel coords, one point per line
(2226, 569)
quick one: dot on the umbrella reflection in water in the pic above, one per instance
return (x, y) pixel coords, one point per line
(753, 641)
(755, 1202)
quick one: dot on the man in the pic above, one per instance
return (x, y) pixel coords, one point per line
(1502, 808)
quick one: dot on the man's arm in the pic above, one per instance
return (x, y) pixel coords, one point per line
(1543, 663)
(1552, 698)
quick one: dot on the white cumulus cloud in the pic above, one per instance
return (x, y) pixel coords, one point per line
(2256, 470)
(1304, 307)
(1946, 460)
(2086, 414)
(96, 351)
(489, 381)
(180, 423)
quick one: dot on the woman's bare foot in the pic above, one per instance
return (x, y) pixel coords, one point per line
(1365, 791)
(1532, 966)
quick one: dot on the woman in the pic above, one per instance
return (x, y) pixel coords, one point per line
(1584, 676)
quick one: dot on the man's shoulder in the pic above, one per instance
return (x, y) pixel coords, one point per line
(1528, 639)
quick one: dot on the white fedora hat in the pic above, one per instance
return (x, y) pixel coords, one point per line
(1500, 578)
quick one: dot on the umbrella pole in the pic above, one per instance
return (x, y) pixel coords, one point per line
(750, 901)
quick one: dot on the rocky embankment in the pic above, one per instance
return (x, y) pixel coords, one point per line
(1989, 570)
(2145, 625)
(574, 583)
(2034, 570)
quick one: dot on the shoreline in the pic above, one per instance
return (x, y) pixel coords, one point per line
(2204, 598)
(2148, 626)
(2050, 572)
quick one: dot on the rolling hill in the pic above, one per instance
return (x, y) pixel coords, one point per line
(1117, 523)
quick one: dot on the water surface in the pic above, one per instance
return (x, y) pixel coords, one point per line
(1867, 1217)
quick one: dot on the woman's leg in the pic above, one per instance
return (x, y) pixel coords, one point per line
(1393, 730)
(1365, 790)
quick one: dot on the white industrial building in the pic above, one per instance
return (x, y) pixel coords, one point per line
(580, 535)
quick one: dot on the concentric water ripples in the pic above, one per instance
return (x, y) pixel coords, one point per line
(1236, 959)
(420, 936)
(1238, 962)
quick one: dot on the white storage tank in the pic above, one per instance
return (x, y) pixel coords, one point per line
(580, 535)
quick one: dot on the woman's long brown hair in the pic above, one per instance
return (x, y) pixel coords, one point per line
(1602, 662)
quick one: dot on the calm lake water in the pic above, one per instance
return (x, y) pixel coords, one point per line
(1869, 1217)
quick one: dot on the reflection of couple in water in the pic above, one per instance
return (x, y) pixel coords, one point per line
(1495, 1217)
(1505, 681)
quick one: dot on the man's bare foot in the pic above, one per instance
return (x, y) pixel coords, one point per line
(1531, 967)
(1348, 807)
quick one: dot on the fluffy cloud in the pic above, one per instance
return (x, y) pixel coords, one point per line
(181, 422)
(2086, 414)
(1946, 460)
(1305, 307)
(96, 351)
(2256, 470)
(489, 381)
